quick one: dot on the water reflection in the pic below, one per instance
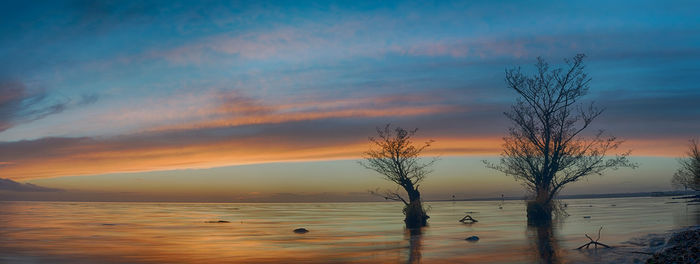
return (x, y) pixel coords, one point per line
(545, 243)
(414, 236)
(64, 232)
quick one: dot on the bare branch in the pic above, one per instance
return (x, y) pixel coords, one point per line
(595, 242)
(389, 195)
(688, 175)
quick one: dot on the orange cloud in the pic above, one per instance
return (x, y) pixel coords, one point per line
(240, 130)
(56, 157)
(234, 130)
(88, 157)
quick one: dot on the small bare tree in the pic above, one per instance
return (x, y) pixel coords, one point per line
(688, 175)
(399, 161)
(545, 149)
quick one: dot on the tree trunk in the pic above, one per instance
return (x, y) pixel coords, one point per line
(415, 214)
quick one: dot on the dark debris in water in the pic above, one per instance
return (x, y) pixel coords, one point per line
(468, 219)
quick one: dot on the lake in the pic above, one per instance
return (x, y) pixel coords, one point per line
(96, 232)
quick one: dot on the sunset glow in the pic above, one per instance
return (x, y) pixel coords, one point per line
(107, 88)
(334, 131)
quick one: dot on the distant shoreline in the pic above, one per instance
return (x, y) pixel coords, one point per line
(585, 196)
(573, 196)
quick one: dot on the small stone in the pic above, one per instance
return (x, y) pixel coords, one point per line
(472, 239)
(301, 230)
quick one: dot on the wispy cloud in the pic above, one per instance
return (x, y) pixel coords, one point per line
(20, 105)
(234, 109)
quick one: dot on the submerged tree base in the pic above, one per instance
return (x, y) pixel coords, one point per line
(539, 214)
(415, 215)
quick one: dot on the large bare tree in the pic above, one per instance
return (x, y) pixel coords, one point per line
(545, 148)
(398, 160)
(688, 175)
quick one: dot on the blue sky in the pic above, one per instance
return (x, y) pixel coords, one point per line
(102, 89)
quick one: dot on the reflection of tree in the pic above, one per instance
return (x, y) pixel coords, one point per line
(545, 243)
(414, 245)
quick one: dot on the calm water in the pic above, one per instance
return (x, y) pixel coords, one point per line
(65, 232)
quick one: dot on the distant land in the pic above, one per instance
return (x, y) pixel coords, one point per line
(10, 185)
(587, 196)
(12, 192)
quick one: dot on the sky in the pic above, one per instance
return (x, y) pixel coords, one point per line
(274, 101)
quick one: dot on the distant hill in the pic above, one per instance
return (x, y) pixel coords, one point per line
(10, 185)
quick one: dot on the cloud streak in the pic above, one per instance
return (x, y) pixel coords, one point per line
(236, 130)
(234, 109)
(323, 139)
(20, 105)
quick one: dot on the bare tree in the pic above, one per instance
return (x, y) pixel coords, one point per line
(545, 149)
(688, 175)
(399, 161)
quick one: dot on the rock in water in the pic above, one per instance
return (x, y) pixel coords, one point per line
(472, 238)
(301, 230)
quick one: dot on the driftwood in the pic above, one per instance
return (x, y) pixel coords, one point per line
(468, 219)
(595, 242)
